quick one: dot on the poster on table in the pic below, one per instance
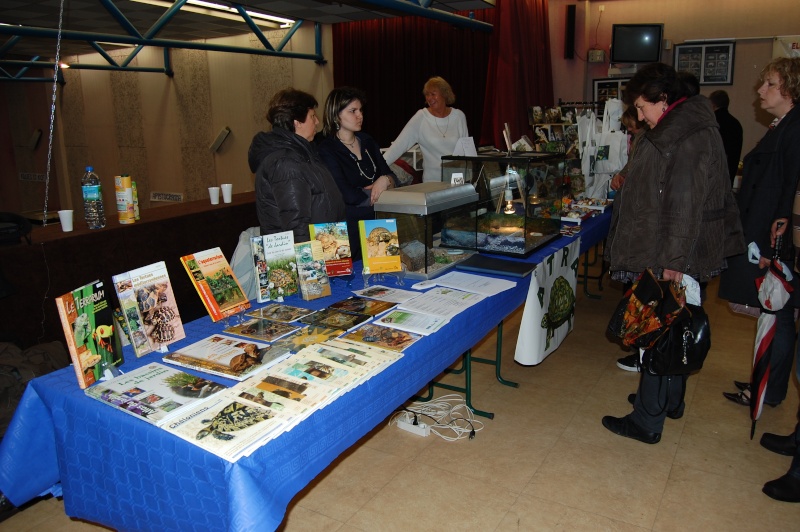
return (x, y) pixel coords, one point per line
(786, 46)
(549, 313)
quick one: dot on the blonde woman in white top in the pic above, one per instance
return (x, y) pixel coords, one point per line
(435, 128)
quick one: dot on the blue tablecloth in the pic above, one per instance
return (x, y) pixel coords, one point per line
(124, 473)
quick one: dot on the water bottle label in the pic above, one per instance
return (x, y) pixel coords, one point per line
(92, 193)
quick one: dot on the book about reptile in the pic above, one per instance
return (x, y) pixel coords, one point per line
(311, 274)
(215, 282)
(280, 312)
(380, 246)
(149, 307)
(283, 392)
(261, 329)
(335, 243)
(335, 319)
(294, 343)
(383, 337)
(227, 425)
(362, 305)
(275, 266)
(308, 365)
(154, 392)
(92, 342)
(223, 355)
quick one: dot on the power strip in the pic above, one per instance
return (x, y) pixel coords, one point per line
(420, 430)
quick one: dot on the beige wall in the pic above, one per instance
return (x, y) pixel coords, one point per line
(751, 24)
(158, 128)
(154, 127)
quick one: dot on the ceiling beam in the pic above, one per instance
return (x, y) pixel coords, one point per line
(417, 9)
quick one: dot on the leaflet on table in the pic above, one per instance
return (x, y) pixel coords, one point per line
(359, 363)
(442, 301)
(227, 425)
(155, 393)
(374, 360)
(313, 334)
(335, 319)
(280, 312)
(283, 392)
(409, 321)
(343, 343)
(262, 329)
(362, 305)
(227, 356)
(382, 336)
(384, 293)
(478, 284)
(307, 365)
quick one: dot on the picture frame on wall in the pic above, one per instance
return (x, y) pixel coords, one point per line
(711, 62)
(607, 88)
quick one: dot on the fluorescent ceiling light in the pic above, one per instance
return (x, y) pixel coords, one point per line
(214, 9)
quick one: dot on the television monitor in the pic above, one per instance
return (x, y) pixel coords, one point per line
(636, 43)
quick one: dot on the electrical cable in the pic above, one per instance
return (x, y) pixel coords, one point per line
(452, 419)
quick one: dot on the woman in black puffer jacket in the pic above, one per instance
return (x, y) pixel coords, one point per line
(293, 186)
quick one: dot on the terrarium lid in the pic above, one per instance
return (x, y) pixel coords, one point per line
(426, 198)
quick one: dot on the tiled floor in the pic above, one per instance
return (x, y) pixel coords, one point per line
(546, 463)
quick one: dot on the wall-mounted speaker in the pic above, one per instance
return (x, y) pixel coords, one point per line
(569, 33)
(220, 139)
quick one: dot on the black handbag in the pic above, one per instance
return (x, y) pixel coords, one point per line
(683, 347)
(643, 313)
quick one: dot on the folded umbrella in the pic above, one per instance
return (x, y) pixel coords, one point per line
(774, 291)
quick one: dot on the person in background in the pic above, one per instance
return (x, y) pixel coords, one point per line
(676, 215)
(635, 129)
(436, 129)
(293, 186)
(353, 158)
(770, 177)
(729, 128)
(776, 160)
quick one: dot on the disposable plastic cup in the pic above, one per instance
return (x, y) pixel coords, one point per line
(66, 220)
(227, 192)
(213, 193)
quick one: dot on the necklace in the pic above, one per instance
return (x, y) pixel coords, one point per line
(447, 126)
(351, 144)
(360, 171)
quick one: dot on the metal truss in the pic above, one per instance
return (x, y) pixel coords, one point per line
(139, 41)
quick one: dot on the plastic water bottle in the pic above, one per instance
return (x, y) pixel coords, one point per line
(93, 199)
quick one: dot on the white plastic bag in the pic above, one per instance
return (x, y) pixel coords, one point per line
(242, 263)
(612, 146)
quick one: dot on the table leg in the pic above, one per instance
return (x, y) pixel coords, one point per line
(586, 276)
(498, 358)
(466, 390)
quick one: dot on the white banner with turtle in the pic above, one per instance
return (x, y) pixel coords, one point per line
(550, 307)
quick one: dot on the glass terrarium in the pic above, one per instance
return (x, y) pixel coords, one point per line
(519, 204)
(436, 225)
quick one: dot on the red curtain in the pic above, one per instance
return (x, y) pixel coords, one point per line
(519, 72)
(391, 59)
